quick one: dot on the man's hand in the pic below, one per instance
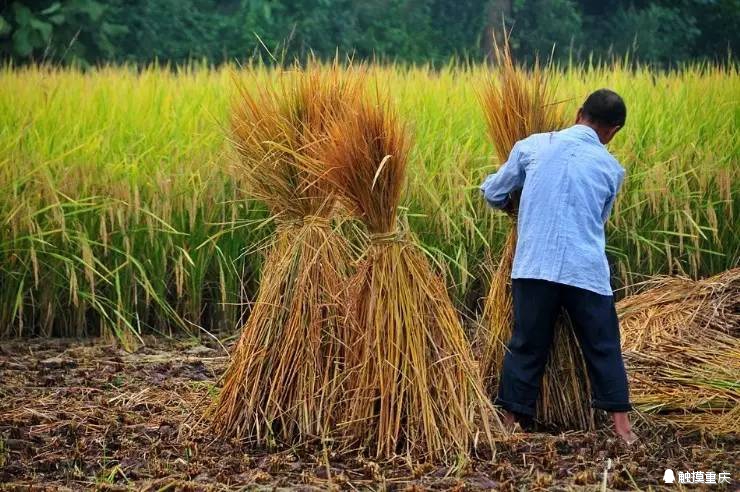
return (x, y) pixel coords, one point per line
(509, 209)
(512, 205)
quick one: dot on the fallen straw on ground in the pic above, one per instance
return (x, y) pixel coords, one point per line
(681, 343)
(122, 419)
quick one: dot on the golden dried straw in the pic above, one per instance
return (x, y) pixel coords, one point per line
(681, 343)
(518, 104)
(285, 380)
(414, 389)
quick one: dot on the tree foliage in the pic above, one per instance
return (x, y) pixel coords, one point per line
(140, 31)
(73, 30)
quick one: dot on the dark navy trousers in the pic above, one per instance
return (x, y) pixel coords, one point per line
(537, 304)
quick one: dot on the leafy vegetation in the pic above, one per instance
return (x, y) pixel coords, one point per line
(663, 32)
(119, 214)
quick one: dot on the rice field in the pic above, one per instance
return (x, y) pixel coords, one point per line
(121, 213)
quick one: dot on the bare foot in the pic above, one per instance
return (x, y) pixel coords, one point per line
(510, 423)
(623, 427)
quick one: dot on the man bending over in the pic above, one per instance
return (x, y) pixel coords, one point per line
(568, 182)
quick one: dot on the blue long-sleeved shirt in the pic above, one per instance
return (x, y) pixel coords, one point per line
(569, 182)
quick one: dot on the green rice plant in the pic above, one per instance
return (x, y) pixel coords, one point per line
(118, 212)
(105, 225)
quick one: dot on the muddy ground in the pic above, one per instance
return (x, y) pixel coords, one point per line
(79, 415)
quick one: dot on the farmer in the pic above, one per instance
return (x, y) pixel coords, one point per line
(568, 182)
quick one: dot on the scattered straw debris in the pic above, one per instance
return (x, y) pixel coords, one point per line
(681, 343)
(121, 421)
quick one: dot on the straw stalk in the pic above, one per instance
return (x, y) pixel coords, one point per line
(413, 387)
(285, 380)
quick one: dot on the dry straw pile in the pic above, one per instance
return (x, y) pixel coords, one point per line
(518, 104)
(681, 343)
(284, 383)
(414, 388)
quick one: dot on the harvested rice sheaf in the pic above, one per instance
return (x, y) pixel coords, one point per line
(521, 103)
(285, 380)
(681, 344)
(414, 388)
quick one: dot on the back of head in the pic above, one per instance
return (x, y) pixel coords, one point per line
(605, 107)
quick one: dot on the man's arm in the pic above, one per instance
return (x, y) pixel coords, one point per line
(509, 178)
(610, 202)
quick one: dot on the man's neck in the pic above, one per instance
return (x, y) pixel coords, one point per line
(596, 128)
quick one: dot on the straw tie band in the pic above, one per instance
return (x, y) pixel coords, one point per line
(308, 220)
(387, 237)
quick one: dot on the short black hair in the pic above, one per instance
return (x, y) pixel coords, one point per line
(605, 107)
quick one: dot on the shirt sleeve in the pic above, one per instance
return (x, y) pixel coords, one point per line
(610, 202)
(510, 177)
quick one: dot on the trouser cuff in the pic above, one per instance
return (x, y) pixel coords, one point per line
(612, 406)
(515, 407)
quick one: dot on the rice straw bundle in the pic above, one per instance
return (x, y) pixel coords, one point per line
(284, 382)
(520, 104)
(414, 388)
(681, 343)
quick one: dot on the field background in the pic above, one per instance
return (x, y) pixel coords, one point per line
(119, 215)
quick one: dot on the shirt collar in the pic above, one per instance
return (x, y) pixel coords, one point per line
(585, 132)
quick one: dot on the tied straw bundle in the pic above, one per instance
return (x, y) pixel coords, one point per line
(681, 344)
(284, 382)
(414, 388)
(520, 104)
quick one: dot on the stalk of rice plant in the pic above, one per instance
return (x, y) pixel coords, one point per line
(681, 343)
(133, 163)
(413, 388)
(284, 383)
(521, 103)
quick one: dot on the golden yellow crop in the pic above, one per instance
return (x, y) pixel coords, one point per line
(119, 215)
